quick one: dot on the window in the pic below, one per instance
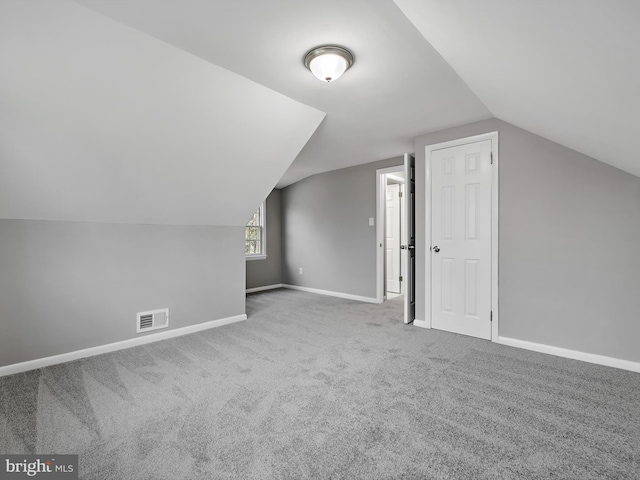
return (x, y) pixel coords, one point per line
(254, 236)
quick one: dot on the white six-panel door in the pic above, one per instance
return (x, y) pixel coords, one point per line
(461, 239)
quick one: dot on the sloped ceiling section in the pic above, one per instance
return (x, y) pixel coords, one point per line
(568, 71)
(100, 122)
(398, 88)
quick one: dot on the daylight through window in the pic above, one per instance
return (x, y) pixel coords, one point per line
(254, 240)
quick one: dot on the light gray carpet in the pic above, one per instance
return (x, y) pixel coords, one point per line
(319, 387)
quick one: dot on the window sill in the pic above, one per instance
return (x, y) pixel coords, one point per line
(256, 257)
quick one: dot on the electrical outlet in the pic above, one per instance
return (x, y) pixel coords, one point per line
(300, 270)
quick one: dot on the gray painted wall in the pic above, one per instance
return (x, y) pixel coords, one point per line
(326, 230)
(569, 259)
(262, 273)
(569, 263)
(66, 286)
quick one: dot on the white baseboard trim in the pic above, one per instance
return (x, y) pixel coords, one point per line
(112, 347)
(333, 294)
(421, 323)
(267, 287)
(573, 354)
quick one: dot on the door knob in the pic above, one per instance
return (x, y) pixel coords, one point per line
(436, 249)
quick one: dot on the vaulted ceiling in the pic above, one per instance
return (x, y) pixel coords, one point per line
(190, 111)
(100, 122)
(398, 88)
(568, 70)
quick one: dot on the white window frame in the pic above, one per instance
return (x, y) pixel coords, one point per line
(263, 236)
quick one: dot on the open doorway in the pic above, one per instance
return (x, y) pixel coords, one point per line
(396, 279)
(394, 233)
(391, 233)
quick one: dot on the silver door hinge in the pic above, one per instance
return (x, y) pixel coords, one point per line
(491, 158)
(400, 277)
(400, 194)
(491, 316)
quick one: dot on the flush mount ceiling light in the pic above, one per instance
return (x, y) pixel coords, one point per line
(328, 62)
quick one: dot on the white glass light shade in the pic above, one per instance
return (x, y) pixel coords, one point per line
(328, 67)
(329, 62)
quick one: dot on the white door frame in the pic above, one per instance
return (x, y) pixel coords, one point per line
(381, 206)
(493, 136)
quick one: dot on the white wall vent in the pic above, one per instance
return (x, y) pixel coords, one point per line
(152, 320)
